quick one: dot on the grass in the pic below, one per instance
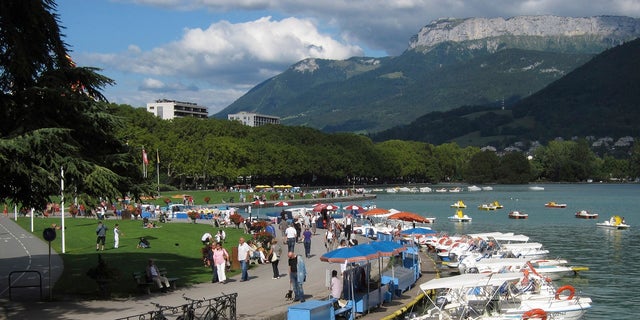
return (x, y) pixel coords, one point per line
(175, 246)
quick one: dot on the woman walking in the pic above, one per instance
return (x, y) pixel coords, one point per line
(275, 251)
(220, 257)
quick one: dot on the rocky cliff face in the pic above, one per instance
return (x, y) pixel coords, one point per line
(529, 32)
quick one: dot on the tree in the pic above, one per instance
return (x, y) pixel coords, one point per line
(482, 167)
(54, 116)
(514, 168)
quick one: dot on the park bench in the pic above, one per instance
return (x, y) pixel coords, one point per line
(145, 285)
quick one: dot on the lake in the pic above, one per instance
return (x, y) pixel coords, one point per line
(613, 279)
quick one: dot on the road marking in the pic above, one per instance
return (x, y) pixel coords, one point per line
(30, 259)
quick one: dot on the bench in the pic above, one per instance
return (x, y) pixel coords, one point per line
(145, 286)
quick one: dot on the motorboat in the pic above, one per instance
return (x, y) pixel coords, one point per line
(487, 188)
(584, 214)
(456, 189)
(501, 296)
(441, 190)
(518, 215)
(474, 188)
(553, 204)
(459, 204)
(424, 189)
(615, 222)
(460, 217)
(536, 188)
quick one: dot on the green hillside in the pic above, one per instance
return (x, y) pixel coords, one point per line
(370, 95)
(599, 98)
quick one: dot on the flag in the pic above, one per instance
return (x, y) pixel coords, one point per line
(144, 157)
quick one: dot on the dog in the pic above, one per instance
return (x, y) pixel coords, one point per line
(289, 295)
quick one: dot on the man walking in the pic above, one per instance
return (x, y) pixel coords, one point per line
(243, 257)
(297, 275)
(101, 231)
(292, 236)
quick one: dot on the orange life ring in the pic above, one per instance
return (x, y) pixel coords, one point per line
(572, 292)
(535, 314)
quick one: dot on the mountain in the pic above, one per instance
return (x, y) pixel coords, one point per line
(600, 98)
(448, 64)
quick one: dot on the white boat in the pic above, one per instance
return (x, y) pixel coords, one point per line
(487, 188)
(404, 189)
(474, 188)
(391, 190)
(584, 214)
(536, 188)
(518, 215)
(424, 189)
(441, 190)
(487, 207)
(456, 189)
(615, 222)
(459, 204)
(460, 217)
(480, 297)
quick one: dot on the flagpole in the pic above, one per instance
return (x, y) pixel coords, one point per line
(144, 168)
(158, 169)
(62, 205)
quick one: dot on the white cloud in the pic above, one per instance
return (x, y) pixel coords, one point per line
(222, 61)
(225, 51)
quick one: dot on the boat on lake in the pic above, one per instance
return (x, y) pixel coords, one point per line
(459, 204)
(536, 188)
(584, 214)
(487, 207)
(518, 215)
(460, 217)
(553, 204)
(474, 188)
(615, 222)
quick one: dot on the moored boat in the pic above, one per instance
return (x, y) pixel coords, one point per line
(553, 204)
(584, 214)
(518, 215)
(615, 222)
(474, 188)
(536, 188)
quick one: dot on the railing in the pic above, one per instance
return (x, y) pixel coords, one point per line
(219, 308)
(39, 285)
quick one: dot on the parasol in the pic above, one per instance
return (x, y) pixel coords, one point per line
(408, 216)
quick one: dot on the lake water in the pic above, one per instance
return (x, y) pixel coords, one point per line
(613, 279)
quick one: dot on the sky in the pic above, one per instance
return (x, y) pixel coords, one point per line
(212, 52)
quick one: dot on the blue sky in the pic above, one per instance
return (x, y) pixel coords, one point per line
(213, 51)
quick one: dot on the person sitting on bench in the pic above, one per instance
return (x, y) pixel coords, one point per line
(153, 274)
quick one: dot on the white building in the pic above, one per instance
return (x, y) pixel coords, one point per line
(169, 109)
(253, 119)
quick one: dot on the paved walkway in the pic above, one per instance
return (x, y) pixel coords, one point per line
(259, 298)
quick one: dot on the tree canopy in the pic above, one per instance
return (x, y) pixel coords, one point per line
(53, 115)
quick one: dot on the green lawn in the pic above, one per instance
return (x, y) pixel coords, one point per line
(175, 246)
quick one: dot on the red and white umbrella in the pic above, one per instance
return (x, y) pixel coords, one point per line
(281, 204)
(258, 203)
(327, 206)
(352, 207)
